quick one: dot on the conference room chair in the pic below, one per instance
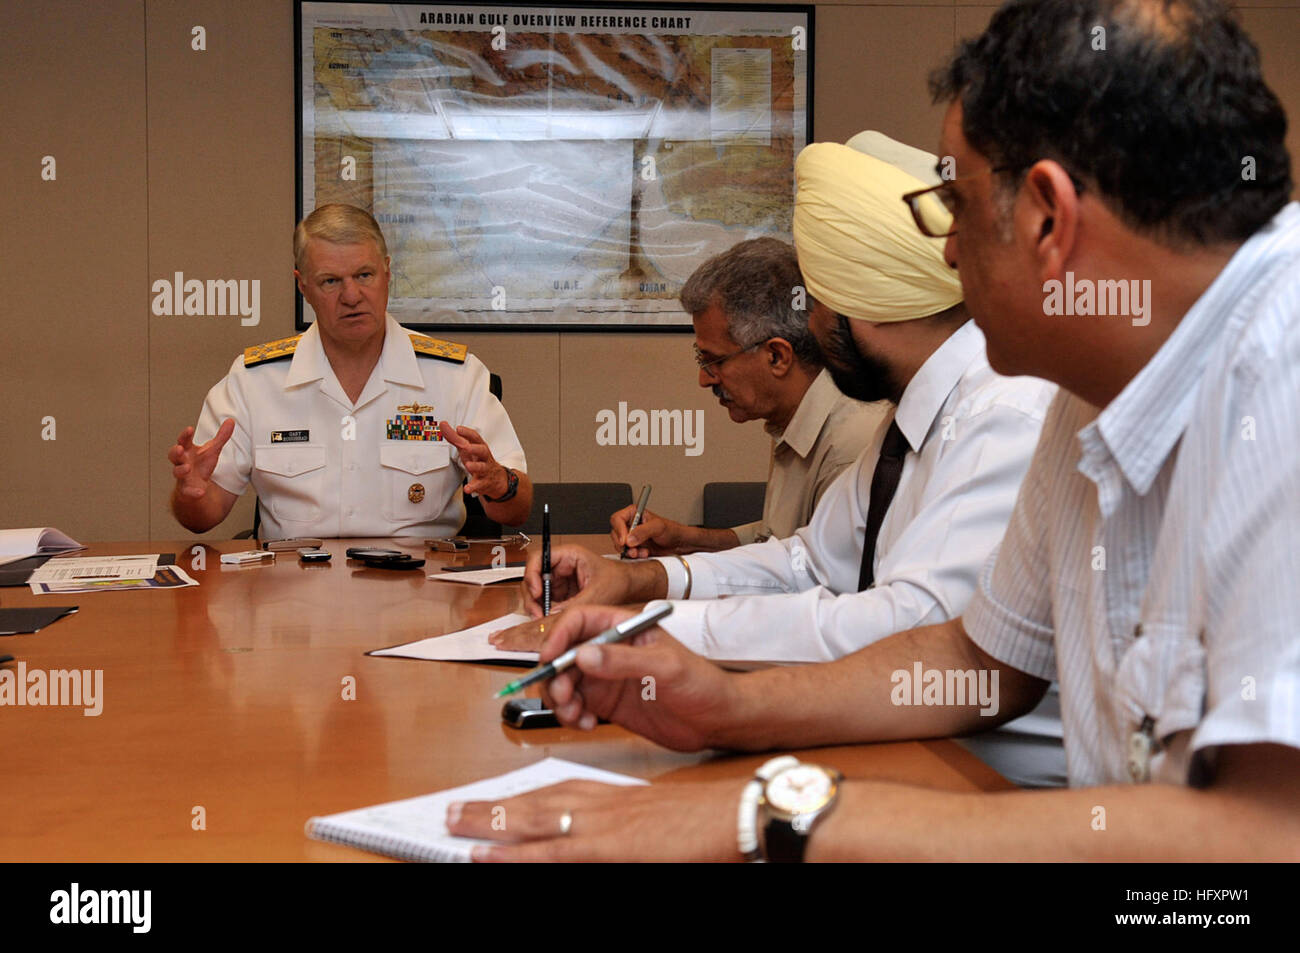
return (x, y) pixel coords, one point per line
(577, 507)
(732, 504)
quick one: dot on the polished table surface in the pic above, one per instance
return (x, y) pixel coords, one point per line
(229, 697)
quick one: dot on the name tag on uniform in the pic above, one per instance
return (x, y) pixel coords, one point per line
(290, 436)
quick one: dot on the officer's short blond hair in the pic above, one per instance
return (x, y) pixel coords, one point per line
(339, 224)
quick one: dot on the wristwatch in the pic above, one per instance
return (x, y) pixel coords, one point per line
(794, 801)
(513, 479)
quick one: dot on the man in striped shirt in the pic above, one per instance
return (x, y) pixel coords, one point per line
(1150, 564)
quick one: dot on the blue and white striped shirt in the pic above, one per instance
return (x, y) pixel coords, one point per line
(1152, 563)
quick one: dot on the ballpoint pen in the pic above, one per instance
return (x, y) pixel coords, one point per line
(637, 516)
(626, 628)
(546, 559)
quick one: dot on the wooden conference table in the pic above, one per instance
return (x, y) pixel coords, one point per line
(229, 697)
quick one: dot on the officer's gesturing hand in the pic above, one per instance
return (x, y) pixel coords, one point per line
(489, 479)
(199, 504)
(486, 476)
(192, 466)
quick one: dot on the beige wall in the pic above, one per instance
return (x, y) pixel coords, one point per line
(172, 160)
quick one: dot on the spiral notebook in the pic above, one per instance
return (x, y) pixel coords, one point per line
(414, 828)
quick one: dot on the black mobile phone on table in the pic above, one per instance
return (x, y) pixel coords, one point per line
(310, 555)
(528, 713)
(399, 561)
(371, 552)
(531, 713)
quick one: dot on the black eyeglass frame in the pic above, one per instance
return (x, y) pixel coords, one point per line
(911, 198)
(707, 366)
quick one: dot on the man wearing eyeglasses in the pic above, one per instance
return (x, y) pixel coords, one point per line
(757, 354)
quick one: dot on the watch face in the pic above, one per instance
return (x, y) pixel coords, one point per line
(800, 789)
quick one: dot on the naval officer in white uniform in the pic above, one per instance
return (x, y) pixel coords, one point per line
(357, 427)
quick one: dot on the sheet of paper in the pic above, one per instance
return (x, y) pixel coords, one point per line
(91, 568)
(164, 577)
(417, 826)
(467, 645)
(480, 577)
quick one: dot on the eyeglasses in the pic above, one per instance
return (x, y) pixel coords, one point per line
(709, 365)
(934, 209)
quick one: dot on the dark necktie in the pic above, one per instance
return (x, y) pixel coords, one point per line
(884, 483)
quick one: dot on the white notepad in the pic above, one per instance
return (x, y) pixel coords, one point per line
(467, 645)
(415, 829)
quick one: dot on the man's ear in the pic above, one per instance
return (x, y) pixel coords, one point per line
(297, 276)
(1048, 217)
(779, 356)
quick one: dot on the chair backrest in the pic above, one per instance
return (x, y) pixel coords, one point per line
(732, 504)
(577, 507)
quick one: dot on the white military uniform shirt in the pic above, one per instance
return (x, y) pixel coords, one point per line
(1151, 562)
(323, 466)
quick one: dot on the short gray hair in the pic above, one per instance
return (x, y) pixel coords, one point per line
(339, 224)
(757, 285)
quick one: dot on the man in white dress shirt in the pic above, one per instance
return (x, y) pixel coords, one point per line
(357, 427)
(1150, 564)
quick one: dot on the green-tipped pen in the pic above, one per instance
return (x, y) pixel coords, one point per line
(626, 628)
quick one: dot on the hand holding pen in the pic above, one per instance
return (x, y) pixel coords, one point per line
(623, 630)
(637, 516)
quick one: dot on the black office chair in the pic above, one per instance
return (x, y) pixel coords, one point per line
(732, 504)
(577, 507)
(257, 523)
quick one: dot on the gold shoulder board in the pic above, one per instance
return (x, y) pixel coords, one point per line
(271, 351)
(443, 350)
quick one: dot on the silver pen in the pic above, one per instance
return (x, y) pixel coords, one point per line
(628, 627)
(637, 516)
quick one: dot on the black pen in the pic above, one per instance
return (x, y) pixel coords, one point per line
(546, 559)
(636, 517)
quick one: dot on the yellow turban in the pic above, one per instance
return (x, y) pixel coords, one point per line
(859, 249)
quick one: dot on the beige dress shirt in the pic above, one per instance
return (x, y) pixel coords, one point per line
(827, 433)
